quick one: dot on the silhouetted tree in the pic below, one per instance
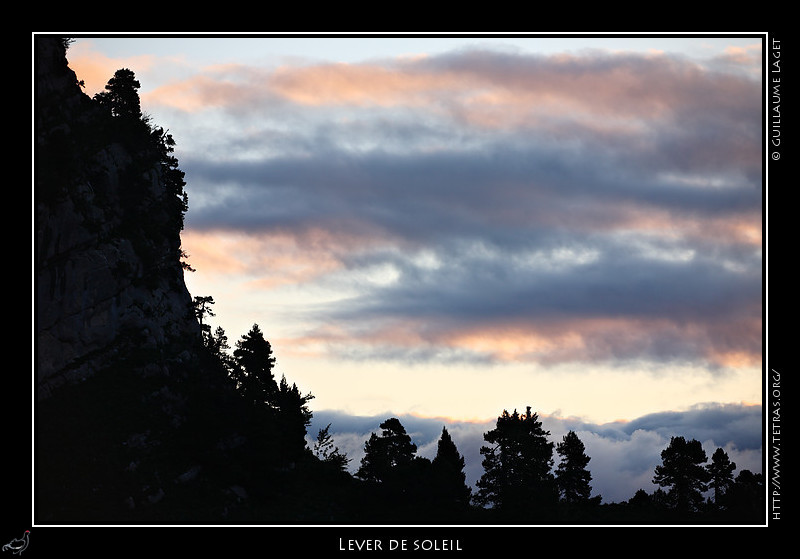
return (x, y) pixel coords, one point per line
(185, 265)
(177, 198)
(386, 453)
(720, 472)
(572, 477)
(202, 308)
(121, 96)
(218, 343)
(325, 450)
(447, 468)
(254, 361)
(517, 476)
(683, 471)
(293, 417)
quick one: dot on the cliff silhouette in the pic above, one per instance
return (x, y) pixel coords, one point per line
(135, 420)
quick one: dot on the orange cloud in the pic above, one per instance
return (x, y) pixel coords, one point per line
(96, 69)
(664, 223)
(751, 54)
(560, 341)
(487, 98)
(617, 95)
(735, 359)
(196, 94)
(269, 259)
(359, 84)
(274, 258)
(400, 333)
(214, 253)
(510, 343)
(471, 419)
(228, 85)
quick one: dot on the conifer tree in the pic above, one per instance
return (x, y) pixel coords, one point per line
(517, 476)
(720, 472)
(293, 416)
(386, 453)
(219, 342)
(572, 477)
(253, 372)
(202, 308)
(173, 177)
(683, 471)
(121, 95)
(447, 467)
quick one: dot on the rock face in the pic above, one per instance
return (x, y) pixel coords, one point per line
(108, 275)
(131, 410)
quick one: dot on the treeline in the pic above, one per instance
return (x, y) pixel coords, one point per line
(520, 484)
(391, 485)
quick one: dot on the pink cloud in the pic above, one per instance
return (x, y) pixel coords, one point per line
(225, 86)
(574, 340)
(95, 69)
(270, 259)
(481, 89)
(721, 343)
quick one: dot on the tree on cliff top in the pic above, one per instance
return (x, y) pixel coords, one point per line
(121, 95)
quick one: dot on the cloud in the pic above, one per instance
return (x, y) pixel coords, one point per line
(95, 69)
(611, 211)
(271, 259)
(746, 59)
(554, 306)
(669, 111)
(592, 83)
(722, 424)
(420, 171)
(498, 188)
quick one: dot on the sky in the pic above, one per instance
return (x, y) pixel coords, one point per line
(442, 228)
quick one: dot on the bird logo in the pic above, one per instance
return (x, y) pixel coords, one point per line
(17, 546)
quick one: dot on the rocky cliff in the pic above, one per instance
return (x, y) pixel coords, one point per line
(108, 276)
(132, 417)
